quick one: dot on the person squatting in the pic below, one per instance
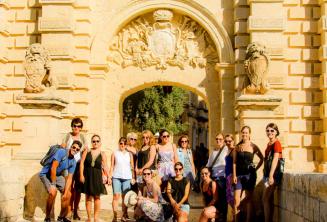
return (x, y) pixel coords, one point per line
(156, 178)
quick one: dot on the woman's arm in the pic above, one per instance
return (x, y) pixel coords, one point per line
(192, 163)
(81, 166)
(112, 165)
(104, 162)
(234, 165)
(214, 193)
(132, 166)
(259, 154)
(175, 153)
(186, 194)
(152, 156)
(273, 168)
(171, 199)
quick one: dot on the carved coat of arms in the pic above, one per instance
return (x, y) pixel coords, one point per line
(162, 43)
(256, 65)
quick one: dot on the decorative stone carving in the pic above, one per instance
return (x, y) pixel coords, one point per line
(37, 67)
(165, 39)
(256, 65)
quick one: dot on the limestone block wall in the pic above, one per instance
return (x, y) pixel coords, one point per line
(302, 197)
(17, 32)
(302, 95)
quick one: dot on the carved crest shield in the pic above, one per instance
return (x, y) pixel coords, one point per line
(162, 43)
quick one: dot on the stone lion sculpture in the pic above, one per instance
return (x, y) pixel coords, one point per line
(37, 69)
(256, 66)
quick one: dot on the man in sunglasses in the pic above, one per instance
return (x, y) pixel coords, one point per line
(58, 175)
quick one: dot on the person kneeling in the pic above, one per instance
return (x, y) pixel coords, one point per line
(58, 174)
(178, 190)
(149, 202)
(210, 197)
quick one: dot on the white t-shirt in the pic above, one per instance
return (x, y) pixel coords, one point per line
(219, 167)
(122, 168)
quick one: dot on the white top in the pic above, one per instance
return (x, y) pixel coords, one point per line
(77, 156)
(219, 167)
(122, 168)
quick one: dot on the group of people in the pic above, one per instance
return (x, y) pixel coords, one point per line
(160, 176)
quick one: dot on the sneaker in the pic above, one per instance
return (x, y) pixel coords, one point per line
(47, 220)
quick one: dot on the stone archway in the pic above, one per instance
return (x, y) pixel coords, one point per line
(137, 59)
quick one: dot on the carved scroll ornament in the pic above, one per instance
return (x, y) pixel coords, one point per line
(163, 42)
(37, 69)
(256, 66)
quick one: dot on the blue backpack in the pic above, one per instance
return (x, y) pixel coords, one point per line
(47, 159)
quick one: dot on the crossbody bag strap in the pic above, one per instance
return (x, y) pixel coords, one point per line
(216, 158)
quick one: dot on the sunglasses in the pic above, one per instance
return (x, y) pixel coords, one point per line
(184, 141)
(270, 131)
(133, 139)
(145, 137)
(228, 141)
(122, 143)
(165, 136)
(77, 126)
(96, 141)
(146, 174)
(204, 174)
(76, 148)
(178, 169)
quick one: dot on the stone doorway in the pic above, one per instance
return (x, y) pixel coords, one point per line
(166, 47)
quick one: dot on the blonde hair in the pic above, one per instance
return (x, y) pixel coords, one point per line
(151, 137)
(131, 135)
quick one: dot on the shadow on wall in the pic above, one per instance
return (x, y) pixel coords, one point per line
(35, 199)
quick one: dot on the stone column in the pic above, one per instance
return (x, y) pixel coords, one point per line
(323, 84)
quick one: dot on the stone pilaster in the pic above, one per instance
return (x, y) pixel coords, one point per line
(4, 33)
(323, 84)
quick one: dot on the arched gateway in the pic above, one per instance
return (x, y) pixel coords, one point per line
(168, 43)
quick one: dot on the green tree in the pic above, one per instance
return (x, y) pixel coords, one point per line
(156, 108)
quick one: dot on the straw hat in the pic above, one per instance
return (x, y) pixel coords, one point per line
(130, 199)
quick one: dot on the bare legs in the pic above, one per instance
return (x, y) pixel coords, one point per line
(88, 205)
(97, 205)
(50, 201)
(267, 199)
(115, 200)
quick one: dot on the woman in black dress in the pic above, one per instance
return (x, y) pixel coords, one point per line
(91, 176)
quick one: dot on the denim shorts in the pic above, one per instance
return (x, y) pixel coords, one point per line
(121, 186)
(60, 183)
(185, 208)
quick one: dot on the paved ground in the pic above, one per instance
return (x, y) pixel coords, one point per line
(195, 201)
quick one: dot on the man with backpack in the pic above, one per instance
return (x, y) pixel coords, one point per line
(57, 173)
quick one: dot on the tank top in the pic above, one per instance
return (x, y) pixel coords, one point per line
(122, 168)
(143, 158)
(244, 162)
(208, 194)
(178, 189)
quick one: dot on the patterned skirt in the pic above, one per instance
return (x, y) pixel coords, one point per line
(230, 190)
(152, 210)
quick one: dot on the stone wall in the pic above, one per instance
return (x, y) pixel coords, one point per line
(302, 197)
